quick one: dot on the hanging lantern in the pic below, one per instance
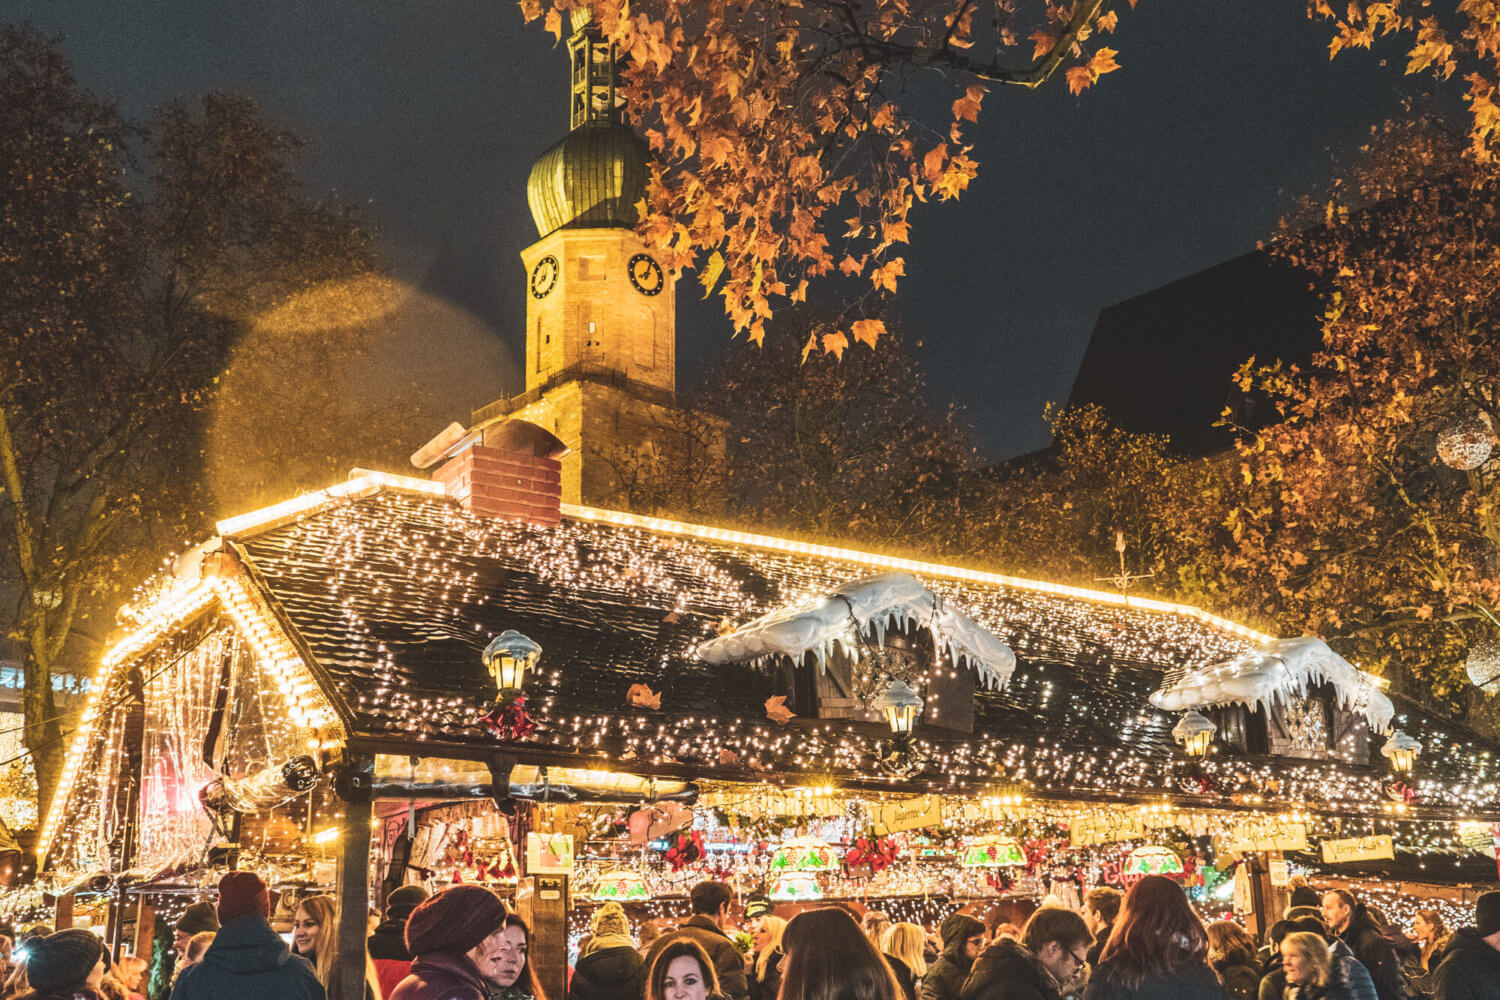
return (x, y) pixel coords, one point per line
(508, 658)
(1483, 662)
(797, 887)
(900, 705)
(1402, 750)
(1194, 733)
(621, 886)
(1466, 444)
(1150, 860)
(991, 852)
(804, 854)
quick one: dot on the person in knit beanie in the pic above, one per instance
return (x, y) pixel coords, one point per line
(194, 920)
(609, 965)
(452, 937)
(247, 960)
(65, 965)
(387, 945)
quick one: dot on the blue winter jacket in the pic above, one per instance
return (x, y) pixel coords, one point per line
(249, 961)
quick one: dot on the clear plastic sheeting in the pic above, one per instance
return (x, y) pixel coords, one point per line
(871, 606)
(1276, 674)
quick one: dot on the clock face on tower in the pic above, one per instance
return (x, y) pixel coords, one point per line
(544, 277)
(645, 274)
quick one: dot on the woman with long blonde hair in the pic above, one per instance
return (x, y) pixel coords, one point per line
(903, 945)
(315, 935)
(765, 974)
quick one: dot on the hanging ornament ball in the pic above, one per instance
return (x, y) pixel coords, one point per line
(1483, 663)
(1466, 444)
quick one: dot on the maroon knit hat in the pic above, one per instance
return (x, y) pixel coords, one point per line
(454, 921)
(242, 894)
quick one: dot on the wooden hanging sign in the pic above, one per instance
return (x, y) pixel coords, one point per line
(1105, 828)
(1357, 849)
(908, 814)
(1268, 835)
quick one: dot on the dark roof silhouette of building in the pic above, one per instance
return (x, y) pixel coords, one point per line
(1162, 362)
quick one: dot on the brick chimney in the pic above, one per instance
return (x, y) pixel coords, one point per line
(512, 470)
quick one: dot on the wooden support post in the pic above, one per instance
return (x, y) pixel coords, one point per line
(145, 929)
(114, 921)
(1262, 898)
(62, 914)
(549, 933)
(353, 785)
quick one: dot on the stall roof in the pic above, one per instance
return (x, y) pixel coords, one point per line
(393, 590)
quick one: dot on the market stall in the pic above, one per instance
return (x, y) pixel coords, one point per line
(372, 685)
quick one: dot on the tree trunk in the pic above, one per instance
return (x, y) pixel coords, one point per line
(42, 732)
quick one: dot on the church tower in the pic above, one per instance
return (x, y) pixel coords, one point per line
(600, 309)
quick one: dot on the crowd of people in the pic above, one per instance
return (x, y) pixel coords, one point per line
(466, 943)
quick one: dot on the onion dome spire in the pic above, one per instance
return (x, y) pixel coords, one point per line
(597, 173)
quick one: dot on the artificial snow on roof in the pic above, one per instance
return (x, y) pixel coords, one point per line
(1277, 672)
(870, 606)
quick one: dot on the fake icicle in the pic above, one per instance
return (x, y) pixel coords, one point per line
(1282, 670)
(875, 605)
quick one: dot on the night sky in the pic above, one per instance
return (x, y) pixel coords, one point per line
(428, 113)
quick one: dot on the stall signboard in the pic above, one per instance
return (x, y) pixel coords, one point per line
(908, 814)
(1105, 828)
(1357, 849)
(549, 853)
(1267, 835)
(1280, 870)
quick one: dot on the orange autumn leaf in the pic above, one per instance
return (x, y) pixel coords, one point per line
(777, 711)
(810, 346)
(835, 343)
(867, 331)
(967, 106)
(932, 163)
(885, 276)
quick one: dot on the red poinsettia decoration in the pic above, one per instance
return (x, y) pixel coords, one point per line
(999, 880)
(508, 720)
(687, 849)
(1400, 791)
(875, 854)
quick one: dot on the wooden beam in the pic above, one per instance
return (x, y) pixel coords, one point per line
(62, 913)
(145, 929)
(354, 879)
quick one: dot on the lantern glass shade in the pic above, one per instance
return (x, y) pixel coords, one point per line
(797, 886)
(509, 657)
(991, 852)
(621, 886)
(804, 854)
(1402, 751)
(1194, 733)
(1151, 860)
(1483, 662)
(900, 705)
(1467, 443)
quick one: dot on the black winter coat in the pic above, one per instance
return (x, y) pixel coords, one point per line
(389, 941)
(728, 962)
(1193, 983)
(1009, 971)
(248, 961)
(1376, 954)
(904, 977)
(1470, 969)
(609, 974)
(767, 987)
(945, 977)
(1241, 978)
